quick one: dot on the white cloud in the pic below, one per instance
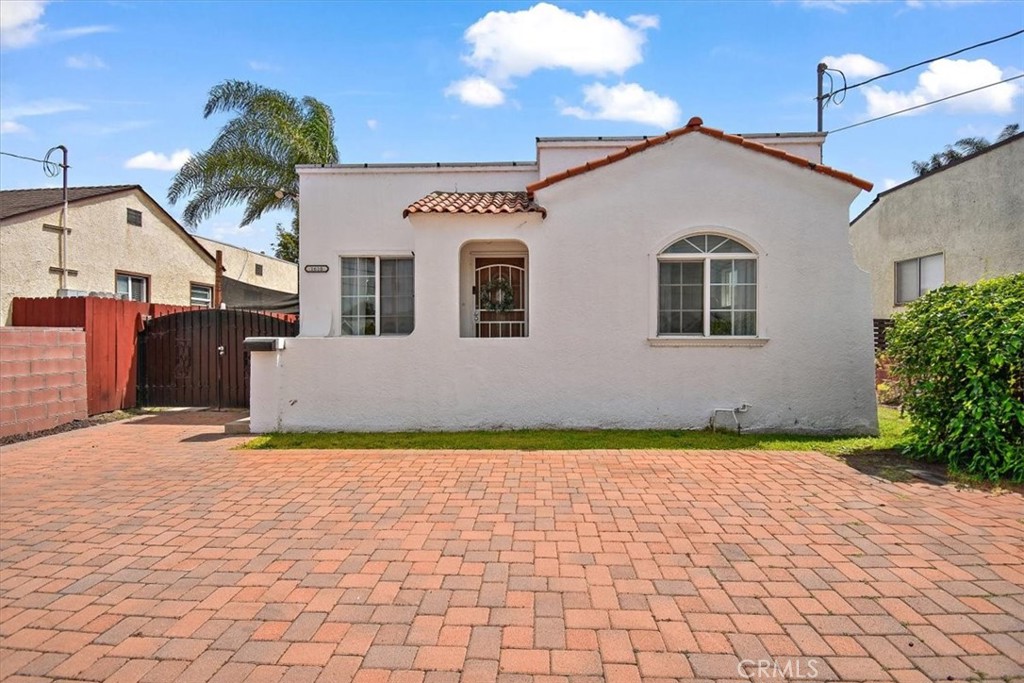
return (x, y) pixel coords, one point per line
(515, 44)
(20, 25)
(626, 102)
(157, 161)
(889, 183)
(9, 115)
(855, 65)
(78, 31)
(256, 65)
(12, 127)
(834, 5)
(645, 21)
(476, 91)
(19, 22)
(946, 77)
(85, 61)
(372, 124)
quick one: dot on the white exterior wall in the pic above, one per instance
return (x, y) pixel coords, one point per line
(972, 213)
(100, 243)
(240, 264)
(588, 361)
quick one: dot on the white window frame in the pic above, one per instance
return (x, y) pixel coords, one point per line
(133, 276)
(376, 256)
(705, 338)
(896, 277)
(192, 299)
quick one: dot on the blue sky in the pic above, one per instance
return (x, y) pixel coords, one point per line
(122, 84)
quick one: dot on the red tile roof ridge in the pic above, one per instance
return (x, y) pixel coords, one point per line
(696, 125)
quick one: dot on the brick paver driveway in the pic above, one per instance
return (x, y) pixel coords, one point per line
(151, 551)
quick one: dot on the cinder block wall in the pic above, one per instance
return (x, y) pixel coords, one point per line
(42, 378)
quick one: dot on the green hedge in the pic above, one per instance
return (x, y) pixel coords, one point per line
(958, 356)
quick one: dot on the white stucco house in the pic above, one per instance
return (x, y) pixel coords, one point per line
(612, 282)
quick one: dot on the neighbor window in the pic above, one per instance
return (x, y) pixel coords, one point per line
(707, 286)
(134, 217)
(133, 287)
(916, 276)
(259, 269)
(376, 295)
(201, 295)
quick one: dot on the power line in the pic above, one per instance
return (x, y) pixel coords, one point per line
(18, 156)
(926, 104)
(928, 61)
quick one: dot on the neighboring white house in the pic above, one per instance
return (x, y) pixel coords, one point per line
(254, 268)
(961, 223)
(613, 282)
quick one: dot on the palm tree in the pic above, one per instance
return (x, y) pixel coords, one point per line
(253, 158)
(960, 149)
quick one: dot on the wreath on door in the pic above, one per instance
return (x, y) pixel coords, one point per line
(497, 295)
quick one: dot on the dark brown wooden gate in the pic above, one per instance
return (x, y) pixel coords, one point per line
(196, 358)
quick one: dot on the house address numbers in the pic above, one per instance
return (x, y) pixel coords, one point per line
(317, 268)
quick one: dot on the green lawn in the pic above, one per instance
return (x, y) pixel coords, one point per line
(891, 423)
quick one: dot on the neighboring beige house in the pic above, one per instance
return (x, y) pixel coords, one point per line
(254, 268)
(961, 223)
(659, 282)
(119, 240)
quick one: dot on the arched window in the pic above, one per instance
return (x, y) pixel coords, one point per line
(707, 286)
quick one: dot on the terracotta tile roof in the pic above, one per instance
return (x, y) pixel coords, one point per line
(696, 125)
(475, 202)
(17, 202)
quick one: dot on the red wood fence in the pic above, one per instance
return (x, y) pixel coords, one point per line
(111, 326)
(111, 332)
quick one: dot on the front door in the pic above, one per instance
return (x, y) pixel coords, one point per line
(499, 293)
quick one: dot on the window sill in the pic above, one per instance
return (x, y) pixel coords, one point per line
(707, 341)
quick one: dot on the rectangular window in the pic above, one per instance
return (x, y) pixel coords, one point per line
(681, 300)
(259, 269)
(733, 297)
(376, 296)
(201, 295)
(916, 276)
(133, 287)
(134, 217)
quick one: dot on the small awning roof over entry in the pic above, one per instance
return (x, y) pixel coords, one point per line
(475, 202)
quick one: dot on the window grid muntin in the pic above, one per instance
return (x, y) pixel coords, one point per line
(364, 296)
(698, 251)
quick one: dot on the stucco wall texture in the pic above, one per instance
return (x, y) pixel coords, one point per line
(589, 360)
(101, 243)
(972, 213)
(240, 264)
(42, 378)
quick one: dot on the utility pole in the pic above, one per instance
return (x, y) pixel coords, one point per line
(821, 95)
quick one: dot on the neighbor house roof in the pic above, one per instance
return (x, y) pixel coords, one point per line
(696, 125)
(16, 202)
(475, 202)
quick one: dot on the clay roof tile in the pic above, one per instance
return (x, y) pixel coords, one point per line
(696, 125)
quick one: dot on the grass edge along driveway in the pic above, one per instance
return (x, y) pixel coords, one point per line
(891, 428)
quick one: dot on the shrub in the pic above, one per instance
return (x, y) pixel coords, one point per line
(958, 359)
